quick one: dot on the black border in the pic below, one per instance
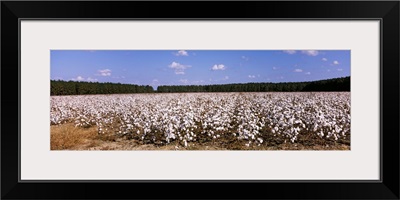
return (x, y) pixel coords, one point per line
(198, 181)
(386, 11)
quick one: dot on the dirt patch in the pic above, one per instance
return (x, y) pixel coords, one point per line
(69, 137)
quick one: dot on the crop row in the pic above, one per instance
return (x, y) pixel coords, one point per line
(248, 118)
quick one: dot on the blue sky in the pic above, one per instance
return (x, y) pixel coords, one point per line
(198, 67)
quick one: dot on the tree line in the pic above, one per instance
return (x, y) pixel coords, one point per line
(59, 87)
(335, 84)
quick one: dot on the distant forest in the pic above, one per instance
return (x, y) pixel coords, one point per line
(59, 87)
(78, 87)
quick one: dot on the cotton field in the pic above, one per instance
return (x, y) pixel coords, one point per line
(185, 119)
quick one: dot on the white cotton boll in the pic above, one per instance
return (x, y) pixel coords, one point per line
(160, 111)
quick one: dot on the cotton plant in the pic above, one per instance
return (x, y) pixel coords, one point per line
(189, 118)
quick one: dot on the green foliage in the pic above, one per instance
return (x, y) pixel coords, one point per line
(336, 84)
(60, 87)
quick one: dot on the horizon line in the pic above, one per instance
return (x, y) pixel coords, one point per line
(198, 84)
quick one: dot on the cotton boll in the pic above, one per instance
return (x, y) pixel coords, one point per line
(231, 113)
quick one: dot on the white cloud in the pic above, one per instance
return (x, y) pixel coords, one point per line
(245, 58)
(218, 67)
(104, 72)
(185, 81)
(310, 52)
(274, 68)
(226, 78)
(182, 53)
(179, 68)
(298, 70)
(252, 76)
(80, 78)
(308, 73)
(324, 59)
(91, 79)
(290, 51)
(335, 62)
(197, 82)
(340, 70)
(155, 82)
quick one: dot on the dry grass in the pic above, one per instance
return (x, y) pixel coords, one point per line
(69, 137)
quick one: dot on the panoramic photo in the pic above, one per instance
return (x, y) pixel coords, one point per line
(200, 100)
